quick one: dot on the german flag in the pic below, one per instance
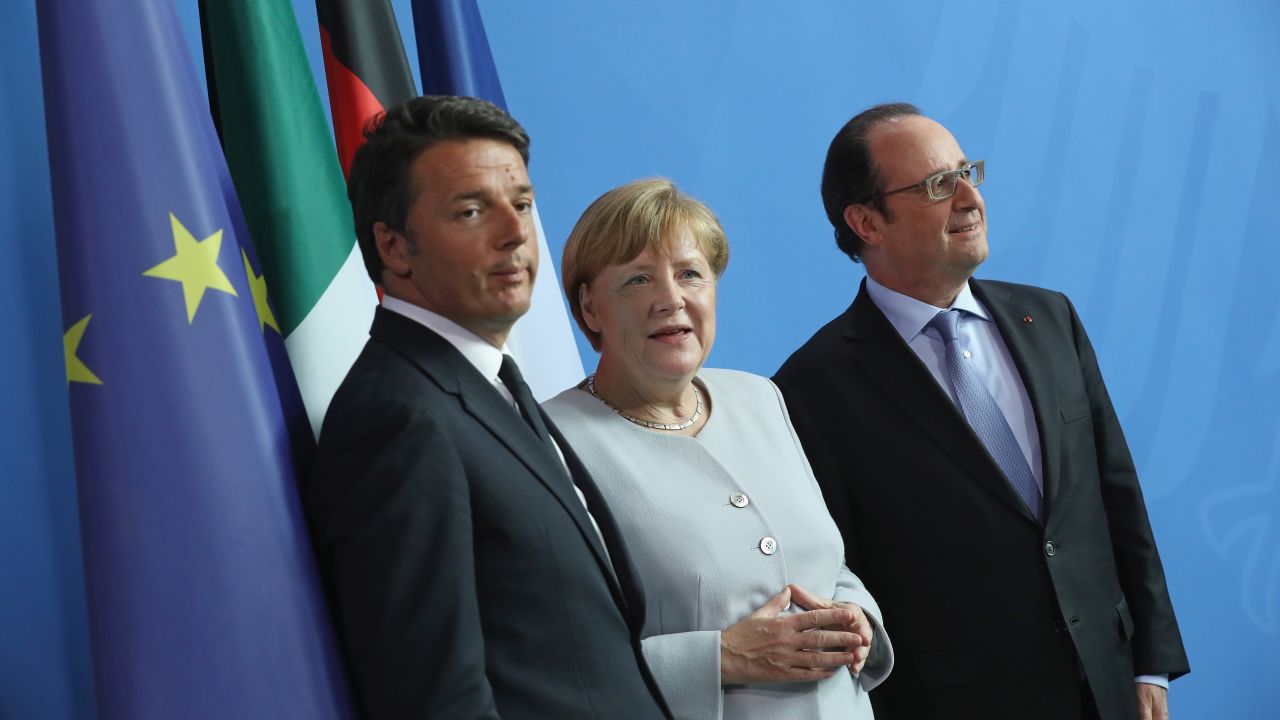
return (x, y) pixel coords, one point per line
(365, 64)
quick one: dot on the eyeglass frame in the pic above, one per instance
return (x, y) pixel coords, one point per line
(969, 167)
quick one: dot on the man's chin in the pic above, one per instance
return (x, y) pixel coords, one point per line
(507, 316)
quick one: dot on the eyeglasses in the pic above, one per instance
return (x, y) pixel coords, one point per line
(941, 186)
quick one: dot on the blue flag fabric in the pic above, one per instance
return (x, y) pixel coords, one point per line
(202, 594)
(453, 51)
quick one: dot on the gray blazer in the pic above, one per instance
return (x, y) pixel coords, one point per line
(702, 551)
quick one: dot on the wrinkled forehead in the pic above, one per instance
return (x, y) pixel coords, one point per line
(911, 148)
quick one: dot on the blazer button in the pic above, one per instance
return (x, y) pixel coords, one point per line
(1049, 548)
(739, 500)
(768, 545)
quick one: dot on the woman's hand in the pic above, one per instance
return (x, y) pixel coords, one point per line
(764, 647)
(857, 624)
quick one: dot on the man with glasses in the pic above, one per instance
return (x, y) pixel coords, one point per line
(967, 448)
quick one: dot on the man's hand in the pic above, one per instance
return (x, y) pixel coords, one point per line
(764, 647)
(1153, 702)
(858, 622)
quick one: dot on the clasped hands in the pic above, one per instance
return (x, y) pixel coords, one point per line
(766, 646)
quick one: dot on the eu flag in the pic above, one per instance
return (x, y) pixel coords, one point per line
(202, 596)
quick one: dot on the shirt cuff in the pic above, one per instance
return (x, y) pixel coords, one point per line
(1160, 680)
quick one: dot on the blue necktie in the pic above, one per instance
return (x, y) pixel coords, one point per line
(984, 415)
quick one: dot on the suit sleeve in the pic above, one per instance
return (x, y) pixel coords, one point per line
(880, 660)
(392, 520)
(827, 474)
(686, 667)
(1157, 641)
(849, 587)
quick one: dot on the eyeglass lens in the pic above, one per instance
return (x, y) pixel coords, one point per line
(943, 185)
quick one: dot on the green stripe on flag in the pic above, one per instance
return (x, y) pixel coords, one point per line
(279, 150)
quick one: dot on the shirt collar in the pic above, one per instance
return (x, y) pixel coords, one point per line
(485, 357)
(910, 316)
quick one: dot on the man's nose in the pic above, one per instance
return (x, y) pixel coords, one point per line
(966, 196)
(515, 227)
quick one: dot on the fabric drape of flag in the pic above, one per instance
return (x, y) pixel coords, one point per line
(202, 594)
(282, 160)
(454, 57)
(365, 64)
(45, 671)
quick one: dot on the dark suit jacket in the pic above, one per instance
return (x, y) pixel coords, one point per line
(464, 574)
(992, 616)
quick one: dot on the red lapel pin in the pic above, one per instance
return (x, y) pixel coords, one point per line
(1026, 319)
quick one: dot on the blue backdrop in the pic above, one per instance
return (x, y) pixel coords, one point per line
(1129, 148)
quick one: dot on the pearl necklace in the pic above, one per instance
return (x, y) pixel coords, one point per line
(697, 412)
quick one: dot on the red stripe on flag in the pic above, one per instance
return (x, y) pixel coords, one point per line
(351, 102)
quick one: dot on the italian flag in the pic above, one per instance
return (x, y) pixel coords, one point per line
(291, 187)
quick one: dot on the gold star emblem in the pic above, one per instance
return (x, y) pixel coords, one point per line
(195, 265)
(77, 371)
(258, 288)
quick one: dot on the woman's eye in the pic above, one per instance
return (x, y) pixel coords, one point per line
(690, 274)
(635, 280)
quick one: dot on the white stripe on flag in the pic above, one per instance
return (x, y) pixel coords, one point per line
(325, 344)
(542, 341)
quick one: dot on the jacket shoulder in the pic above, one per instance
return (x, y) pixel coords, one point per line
(1021, 292)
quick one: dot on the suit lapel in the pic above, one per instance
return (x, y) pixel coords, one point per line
(483, 402)
(451, 371)
(1031, 356)
(618, 562)
(891, 364)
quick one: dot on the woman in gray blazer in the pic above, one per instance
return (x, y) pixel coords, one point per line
(751, 612)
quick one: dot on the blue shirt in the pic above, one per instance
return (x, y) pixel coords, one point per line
(980, 338)
(984, 348)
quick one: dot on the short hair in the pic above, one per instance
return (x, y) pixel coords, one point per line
(851, 176)
(622, 223)
(380, 185)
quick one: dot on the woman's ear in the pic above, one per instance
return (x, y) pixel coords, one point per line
(587, 303)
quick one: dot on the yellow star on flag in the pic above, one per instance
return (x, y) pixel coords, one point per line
(258, 287)
(77, 371)
(195, 265)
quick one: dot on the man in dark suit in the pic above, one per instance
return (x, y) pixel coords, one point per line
(968, 450)
(472, 569)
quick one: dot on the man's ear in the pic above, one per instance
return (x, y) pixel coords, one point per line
(393, 247)
(865, 222)
(588, 306)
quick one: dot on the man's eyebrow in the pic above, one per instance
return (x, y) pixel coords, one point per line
(526, 189)
(959, 164)
(469, 195)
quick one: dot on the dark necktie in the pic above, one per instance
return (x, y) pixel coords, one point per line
(510, 376)
(984, 415)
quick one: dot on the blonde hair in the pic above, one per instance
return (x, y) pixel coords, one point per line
(627, 220)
